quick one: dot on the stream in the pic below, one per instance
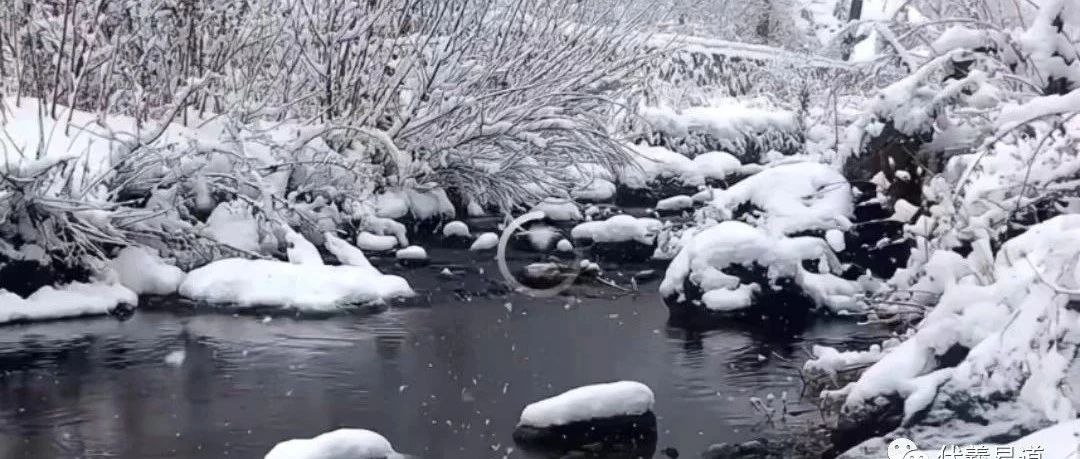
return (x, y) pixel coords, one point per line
(443, 375)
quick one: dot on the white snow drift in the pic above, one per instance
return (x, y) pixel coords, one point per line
(71, 300)
(337, 444)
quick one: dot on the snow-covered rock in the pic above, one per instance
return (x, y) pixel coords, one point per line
(675, 203)
(299, 250)
(724, 267)
(619, 238)
(144, 272)
(247, 283)
(456, 228)
(597, 190)
(617, 413)
(654, 163)
(375, 243)
(72, 300)
(337, 444)
(485, 241)
(716, 165)
(564, 246)
(559, 210)
(411, 253)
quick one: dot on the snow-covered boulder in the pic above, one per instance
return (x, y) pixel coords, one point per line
(597, 190)
(485, 241)
(613, 415)
(375, 243)
(456, 228)
(619, 238)
(731, 266)
(72, 300)
(232, 223)
(337, 444)
(144, 272)
(558, 210)
(247, 283)
(412, 255)
(675, 204)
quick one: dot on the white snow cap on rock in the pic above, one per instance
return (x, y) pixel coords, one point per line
(674, 203)
(485, 241)
(716, 165)
(301, 251)
(338, 444)
(456, 228)
(412, 252)
(375, 243)
(232, 223)
(144, 272)
(793, 197)
(653, 163)
(620, 228)
(71, 300)
(248, 283)
(559, 210)
(595, 401)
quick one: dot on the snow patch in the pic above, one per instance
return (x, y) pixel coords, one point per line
(595, 401)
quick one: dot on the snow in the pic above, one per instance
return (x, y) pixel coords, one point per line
(346, 253)
(1060, 441)
(835, 238)
(541, 237)
(620, 228)
(413, 252)
(653, 163)
(559, 210)
(144, 272)
(338, 444)
(1005, 310)
(830, 361)
(374, 243)
(564, 246)
(232, 223)
(72, 300)
(727, 120)
(903, 211)
(247, 283)
(456, 228)
(485, 241)
(175, 358)
(301, 251)
(716, 165)
(597, 190)
(793, 197)
(420, 204)
(703, 257)
(595, 401)
(673, 203)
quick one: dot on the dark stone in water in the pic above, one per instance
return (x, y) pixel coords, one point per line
(760, 448)
(629, 436)
(782, 304)
(617, 252)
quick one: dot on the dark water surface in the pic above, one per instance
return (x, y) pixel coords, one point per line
(442, 377)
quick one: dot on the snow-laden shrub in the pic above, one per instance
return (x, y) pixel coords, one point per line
(994, 350)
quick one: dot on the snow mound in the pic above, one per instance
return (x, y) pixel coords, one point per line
(375, 243)
(791, 198)
(247, 283)
(338, 444)
(144, 272)
(420, 204)
(412, 252)
(346, 253)
(595, 401)
(675, 203)
(456, 228)
(620, 228)
(486, 241)
(71, 300)
(716, 165)
(597, 190)
(654, 163)
(301, 251)
(705, 255)
(559, 210)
